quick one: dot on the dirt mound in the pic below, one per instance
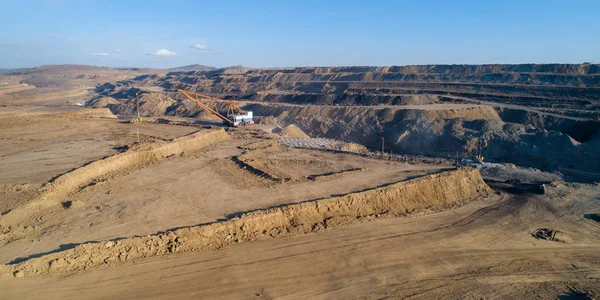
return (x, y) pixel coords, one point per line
(429, 193)
(292, 131)
(102, 102)
(348, 147)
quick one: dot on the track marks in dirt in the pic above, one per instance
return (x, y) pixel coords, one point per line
(443, 190)
(260, 159)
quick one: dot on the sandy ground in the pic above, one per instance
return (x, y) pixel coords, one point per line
(484, 249)
(195, 189)
(37, 149)
(43, 96)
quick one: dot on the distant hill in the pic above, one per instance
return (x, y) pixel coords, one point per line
(55, 69)
(196, 67)
(62, 69)
(5, 71)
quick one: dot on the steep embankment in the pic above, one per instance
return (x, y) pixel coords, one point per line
(365, 125)
(429, 193)
(447, 132)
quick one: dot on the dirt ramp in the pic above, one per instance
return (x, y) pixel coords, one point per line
(429, 193)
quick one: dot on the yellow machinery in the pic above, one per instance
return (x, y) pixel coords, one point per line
(478, 157)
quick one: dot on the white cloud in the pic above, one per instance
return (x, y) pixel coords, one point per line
(198, 46)
(106, 54)
(163, 53)
(116, 50)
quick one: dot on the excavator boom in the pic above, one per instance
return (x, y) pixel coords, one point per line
(206, 107)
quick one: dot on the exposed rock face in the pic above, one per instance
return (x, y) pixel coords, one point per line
(539, 115)
(393, 85)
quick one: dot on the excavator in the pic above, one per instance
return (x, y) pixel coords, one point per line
(235, 115)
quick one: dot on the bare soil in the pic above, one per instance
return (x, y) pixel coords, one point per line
(92, 206)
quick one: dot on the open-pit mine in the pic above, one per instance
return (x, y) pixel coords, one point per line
(438, 181)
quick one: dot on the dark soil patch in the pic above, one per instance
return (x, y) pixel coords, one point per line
(545, 234)
(593, 217)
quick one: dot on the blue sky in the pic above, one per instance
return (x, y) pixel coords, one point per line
(296, 33)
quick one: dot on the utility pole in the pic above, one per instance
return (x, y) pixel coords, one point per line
(137, 106)
(382, 146)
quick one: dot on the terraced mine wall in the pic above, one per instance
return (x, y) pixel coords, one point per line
(366, 125)
(425, 194)
(57, 190)
(546, 114)
(363, 85)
